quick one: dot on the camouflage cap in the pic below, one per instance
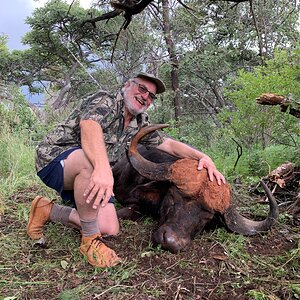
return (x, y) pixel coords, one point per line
(159, 84)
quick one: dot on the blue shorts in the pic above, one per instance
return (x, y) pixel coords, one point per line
(53, 176)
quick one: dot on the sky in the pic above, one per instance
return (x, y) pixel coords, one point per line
(12, 23)
(12, 18)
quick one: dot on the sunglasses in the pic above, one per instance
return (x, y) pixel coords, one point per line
(143, 90)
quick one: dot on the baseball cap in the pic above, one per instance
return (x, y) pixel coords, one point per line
(160, 87)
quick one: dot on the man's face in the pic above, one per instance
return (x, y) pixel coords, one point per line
(138, 94)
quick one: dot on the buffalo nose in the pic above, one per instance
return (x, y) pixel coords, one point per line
(169, 240)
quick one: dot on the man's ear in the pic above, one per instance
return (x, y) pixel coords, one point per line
(127, 84)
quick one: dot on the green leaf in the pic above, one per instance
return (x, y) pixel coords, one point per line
(64, 264)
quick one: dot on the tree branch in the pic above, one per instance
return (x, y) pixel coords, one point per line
(239, 150)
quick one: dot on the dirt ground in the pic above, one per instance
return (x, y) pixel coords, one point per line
(218, 265)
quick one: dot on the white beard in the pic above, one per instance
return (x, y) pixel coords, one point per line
(130, 107)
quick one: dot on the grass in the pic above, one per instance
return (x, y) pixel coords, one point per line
(27, 270)
(219, 264)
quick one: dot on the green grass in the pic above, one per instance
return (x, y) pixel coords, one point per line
(17, 163)
(218, 264)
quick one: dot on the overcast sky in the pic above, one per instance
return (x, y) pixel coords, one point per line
(12, 18)
(12, 23)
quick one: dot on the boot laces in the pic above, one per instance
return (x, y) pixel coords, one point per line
(97, 241)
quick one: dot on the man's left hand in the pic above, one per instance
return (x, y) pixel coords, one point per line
(207, 163)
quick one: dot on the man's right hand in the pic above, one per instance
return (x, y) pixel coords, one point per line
(100, 188)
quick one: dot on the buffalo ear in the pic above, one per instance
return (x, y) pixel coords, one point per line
(151, 191)
(150, 195)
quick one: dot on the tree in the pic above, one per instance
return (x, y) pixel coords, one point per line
(209, 42)
(252, 124)
(66, 53)
(173, 59)
(216, 40)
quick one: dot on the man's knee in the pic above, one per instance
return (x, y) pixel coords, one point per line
(77, 164)
(85, 173)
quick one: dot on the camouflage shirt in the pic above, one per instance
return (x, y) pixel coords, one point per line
(109, 112)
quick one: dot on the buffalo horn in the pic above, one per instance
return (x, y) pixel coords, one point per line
(146, 168)
(239, 224)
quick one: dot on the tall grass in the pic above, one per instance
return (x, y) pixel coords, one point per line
(16, 162)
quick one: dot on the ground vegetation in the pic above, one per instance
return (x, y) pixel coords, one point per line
(222, 56)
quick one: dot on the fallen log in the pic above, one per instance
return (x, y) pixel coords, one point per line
(286, 104)
(284, 182)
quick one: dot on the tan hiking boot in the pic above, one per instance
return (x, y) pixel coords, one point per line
(97, 253)
(39, 215)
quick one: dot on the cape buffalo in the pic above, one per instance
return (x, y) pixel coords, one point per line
(150, 181)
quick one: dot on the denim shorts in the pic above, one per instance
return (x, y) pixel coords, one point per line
(53, 176)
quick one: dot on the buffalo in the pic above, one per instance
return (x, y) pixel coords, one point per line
(152, 182)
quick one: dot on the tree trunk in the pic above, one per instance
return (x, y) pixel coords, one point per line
(59, 101)
(173, 59)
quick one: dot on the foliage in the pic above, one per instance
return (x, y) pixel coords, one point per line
(257, 128)
(56, 27)
(60, 54)
(263, 161)
(213, 43)
(17, 162)
(55, 33)
(19, 125)
(251, 123)
(217, 39)
(223, 24)
(266, 136)
(15, 111)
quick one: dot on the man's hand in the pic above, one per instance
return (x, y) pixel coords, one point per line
(100, 188)
(182, 150)
(207, 163)
(101, 181)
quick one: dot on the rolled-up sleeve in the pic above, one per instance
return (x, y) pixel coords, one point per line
(97, 108)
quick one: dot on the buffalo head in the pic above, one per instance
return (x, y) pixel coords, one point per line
(191, 199)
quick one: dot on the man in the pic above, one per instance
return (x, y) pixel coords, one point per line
(75, 160)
